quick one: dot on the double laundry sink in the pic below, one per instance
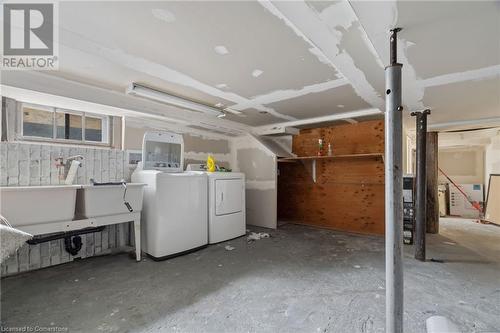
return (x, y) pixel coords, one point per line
(30, 207)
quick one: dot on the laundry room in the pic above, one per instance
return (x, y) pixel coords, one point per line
(250, 166)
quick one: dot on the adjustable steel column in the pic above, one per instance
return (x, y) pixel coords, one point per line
(421, 197)
(393, 192)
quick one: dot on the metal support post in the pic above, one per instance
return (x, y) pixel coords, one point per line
(393, 192)
(421, 184)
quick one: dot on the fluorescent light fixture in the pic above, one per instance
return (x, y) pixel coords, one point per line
(163, 97)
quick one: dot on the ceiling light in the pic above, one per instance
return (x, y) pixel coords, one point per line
(163, 97)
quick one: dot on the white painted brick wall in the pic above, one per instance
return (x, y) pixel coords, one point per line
(32, 164)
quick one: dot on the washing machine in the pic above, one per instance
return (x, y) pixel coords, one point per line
(174, 217)
(226, 203)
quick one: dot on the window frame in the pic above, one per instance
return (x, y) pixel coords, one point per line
(106, 126)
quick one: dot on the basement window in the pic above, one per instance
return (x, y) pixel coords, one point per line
(40, 123)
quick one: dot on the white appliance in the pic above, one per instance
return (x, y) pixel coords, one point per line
(226, 203)
(175, 212)
(459, 204)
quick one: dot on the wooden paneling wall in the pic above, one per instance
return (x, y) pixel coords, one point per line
(349, 193)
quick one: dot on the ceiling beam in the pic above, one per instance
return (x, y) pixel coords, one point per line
(261, 130)
(40, 88)
(465, 124)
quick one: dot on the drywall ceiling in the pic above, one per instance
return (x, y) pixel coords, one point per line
(450, 53)
(277, 61)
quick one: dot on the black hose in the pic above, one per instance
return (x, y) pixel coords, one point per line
(75, 247)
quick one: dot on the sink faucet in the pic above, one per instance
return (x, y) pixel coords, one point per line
(73, 158)
(64, 167)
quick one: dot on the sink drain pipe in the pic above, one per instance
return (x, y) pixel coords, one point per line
(72, 239)
(393, 192)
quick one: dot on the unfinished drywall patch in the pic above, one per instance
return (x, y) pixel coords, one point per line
(284, 94)
(322, 103)
(221, 19)
(213, 129)
(308, 24)
(377, 18)
(198, 148)
(463, 100)
(450, 34)
(472, 75)
(255, 163)
(258, 164)
(462, 165)
(342, 17)
(449, 31)
(198, 144)
(254, 117)
(353, 43)
(156, 70)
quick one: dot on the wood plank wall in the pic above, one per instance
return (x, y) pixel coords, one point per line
(349, 193)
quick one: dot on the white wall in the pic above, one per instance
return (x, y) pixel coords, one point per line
(462, 165)
(258, 163)
(492, 159)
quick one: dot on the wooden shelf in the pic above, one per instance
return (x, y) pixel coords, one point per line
(345, 156)
(313, 159)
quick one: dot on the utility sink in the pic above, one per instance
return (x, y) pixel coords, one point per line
(28, 205)
(41, 210)
(103, 200)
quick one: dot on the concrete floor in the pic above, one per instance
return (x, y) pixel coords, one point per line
(299, 280)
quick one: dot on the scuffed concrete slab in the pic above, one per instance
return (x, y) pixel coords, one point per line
(298, 280)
